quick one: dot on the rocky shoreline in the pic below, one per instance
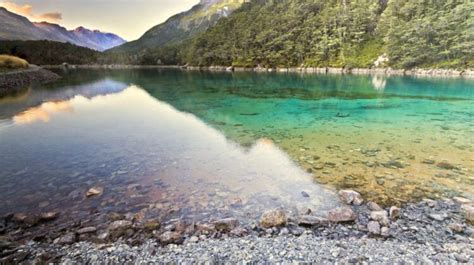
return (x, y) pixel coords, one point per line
(356, 71)
(14, 81)
(419, 72)
(429, 231)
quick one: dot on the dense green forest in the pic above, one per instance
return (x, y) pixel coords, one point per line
(311, 33)
(50, 52)
(340, 33)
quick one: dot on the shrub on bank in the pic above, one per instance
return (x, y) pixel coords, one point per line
(12, 62)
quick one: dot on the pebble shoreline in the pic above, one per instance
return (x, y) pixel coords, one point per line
(14, 81)
(425, 232)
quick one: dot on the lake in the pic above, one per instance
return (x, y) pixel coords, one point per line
(201, 145)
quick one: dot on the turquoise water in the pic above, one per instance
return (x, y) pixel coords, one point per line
(173, 143)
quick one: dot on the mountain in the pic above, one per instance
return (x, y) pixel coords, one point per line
(183, 26)
(338, 33)
(96, 39)
(16, 27)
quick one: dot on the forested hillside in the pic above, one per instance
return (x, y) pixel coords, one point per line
(50, 52)
(337, 33)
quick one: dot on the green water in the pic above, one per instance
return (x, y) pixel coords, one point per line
(210, 139)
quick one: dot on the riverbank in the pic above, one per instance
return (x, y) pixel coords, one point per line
(306, 70)
(16, 80)
(428, 231)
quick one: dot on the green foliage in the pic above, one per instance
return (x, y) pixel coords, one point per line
(429, 33)
(49, 52)
(291, 33)
(338, 33)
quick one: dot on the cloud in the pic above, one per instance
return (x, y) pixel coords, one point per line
(52, 16)
(27, 11)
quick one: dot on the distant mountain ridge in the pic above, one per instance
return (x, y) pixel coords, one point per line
(183, 26)
(16, 27)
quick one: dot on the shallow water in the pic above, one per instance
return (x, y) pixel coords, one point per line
(200, 145)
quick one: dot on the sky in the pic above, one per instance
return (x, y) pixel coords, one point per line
(127, 18)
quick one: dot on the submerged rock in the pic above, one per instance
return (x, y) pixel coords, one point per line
(120, 225)
(94, 191)
(311, 220)
(462, 200)
(342, 214)
(273, 218)
(374, 206)
(226, 225)
(393, 164)
(350, 197)
(49, 216)
(86, 230)
(446, 165)
(67, 239)
(151, 225)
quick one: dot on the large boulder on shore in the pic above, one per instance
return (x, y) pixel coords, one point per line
(273, 218)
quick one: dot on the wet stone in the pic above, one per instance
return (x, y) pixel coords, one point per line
(239, 231)
(350, 197)
(380, 216)
(49, 216)
(311, 220)
(94, 191)
(226, 225)
(374, 206)
(151, 225)
(446, 165)
(67, 239)
(86, 230)
(428, 161)
(272, 218)
(462, 200)
(120, 225)
(170, 237)
(393, 164)
(342, 214)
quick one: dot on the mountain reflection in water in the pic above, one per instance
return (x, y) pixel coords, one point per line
(145, 153)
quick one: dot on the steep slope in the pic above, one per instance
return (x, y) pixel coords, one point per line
(96, 39)
(55, 32)
(339, 33)
(16, 27)
(183, 26)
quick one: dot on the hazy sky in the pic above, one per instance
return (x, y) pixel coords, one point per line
(127, 18)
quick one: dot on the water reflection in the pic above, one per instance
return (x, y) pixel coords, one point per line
(42, 113)
(379, 82)
(148, 156)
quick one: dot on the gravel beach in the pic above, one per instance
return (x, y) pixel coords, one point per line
(428, 232)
